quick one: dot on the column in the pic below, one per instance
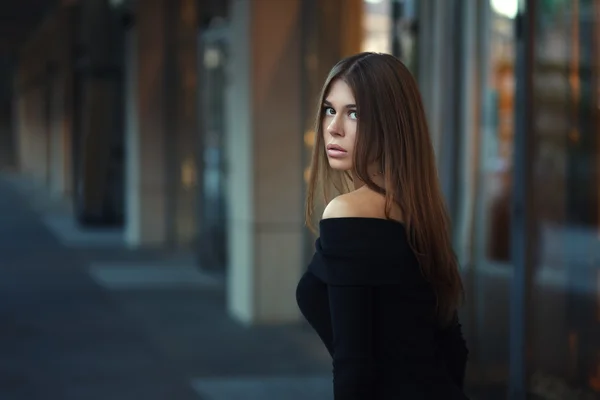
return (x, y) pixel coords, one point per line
(145, 127)
(61, 109)
(28, 99)
(99, 72)
(265, 130)
(161, 123)
(183, 68)
(7, 147)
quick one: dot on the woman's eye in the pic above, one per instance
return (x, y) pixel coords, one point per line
(329, 111)
(353, 115)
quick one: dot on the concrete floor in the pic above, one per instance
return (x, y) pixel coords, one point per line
(89, 319)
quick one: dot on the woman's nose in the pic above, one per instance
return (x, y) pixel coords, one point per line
(334, 128)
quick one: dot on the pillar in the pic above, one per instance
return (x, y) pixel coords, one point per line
(31, 101)
(436, 30)
(7, 146)
(161, 117)
(61, 107)
(145, 196)
(265, 130)
(99, 75)
(184, 119)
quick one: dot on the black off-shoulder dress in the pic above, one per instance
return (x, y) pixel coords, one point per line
(366, 298)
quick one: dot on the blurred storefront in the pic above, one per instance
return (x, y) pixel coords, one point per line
(529, 246)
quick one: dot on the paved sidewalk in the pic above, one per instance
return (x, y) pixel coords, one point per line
(102, 322)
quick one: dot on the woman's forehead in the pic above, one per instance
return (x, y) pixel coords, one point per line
(339, 93)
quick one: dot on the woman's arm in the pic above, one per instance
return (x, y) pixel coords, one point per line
(351, 316)
(313, 299)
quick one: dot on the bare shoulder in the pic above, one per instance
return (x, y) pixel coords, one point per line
(356, 204)
(342, 206)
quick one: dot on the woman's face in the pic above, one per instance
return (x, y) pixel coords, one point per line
(339, 125)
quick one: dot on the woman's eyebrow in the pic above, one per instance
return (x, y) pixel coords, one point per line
(348, 106)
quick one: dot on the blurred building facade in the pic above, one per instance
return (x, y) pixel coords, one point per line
(189, 123)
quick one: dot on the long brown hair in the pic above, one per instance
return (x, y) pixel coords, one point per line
(392, 131)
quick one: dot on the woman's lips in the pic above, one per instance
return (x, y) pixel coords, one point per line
(335, 151)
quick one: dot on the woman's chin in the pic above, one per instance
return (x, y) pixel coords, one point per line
(340, 165)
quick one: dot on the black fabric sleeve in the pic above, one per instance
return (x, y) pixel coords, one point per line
(311, 296)
(353, 365)
(453, 351)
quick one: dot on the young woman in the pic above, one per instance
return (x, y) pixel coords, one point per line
(383, 287)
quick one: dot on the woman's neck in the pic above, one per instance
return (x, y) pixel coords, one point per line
(376, 178)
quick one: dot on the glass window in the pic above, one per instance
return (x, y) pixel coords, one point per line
(563, 299)
(564, 323)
